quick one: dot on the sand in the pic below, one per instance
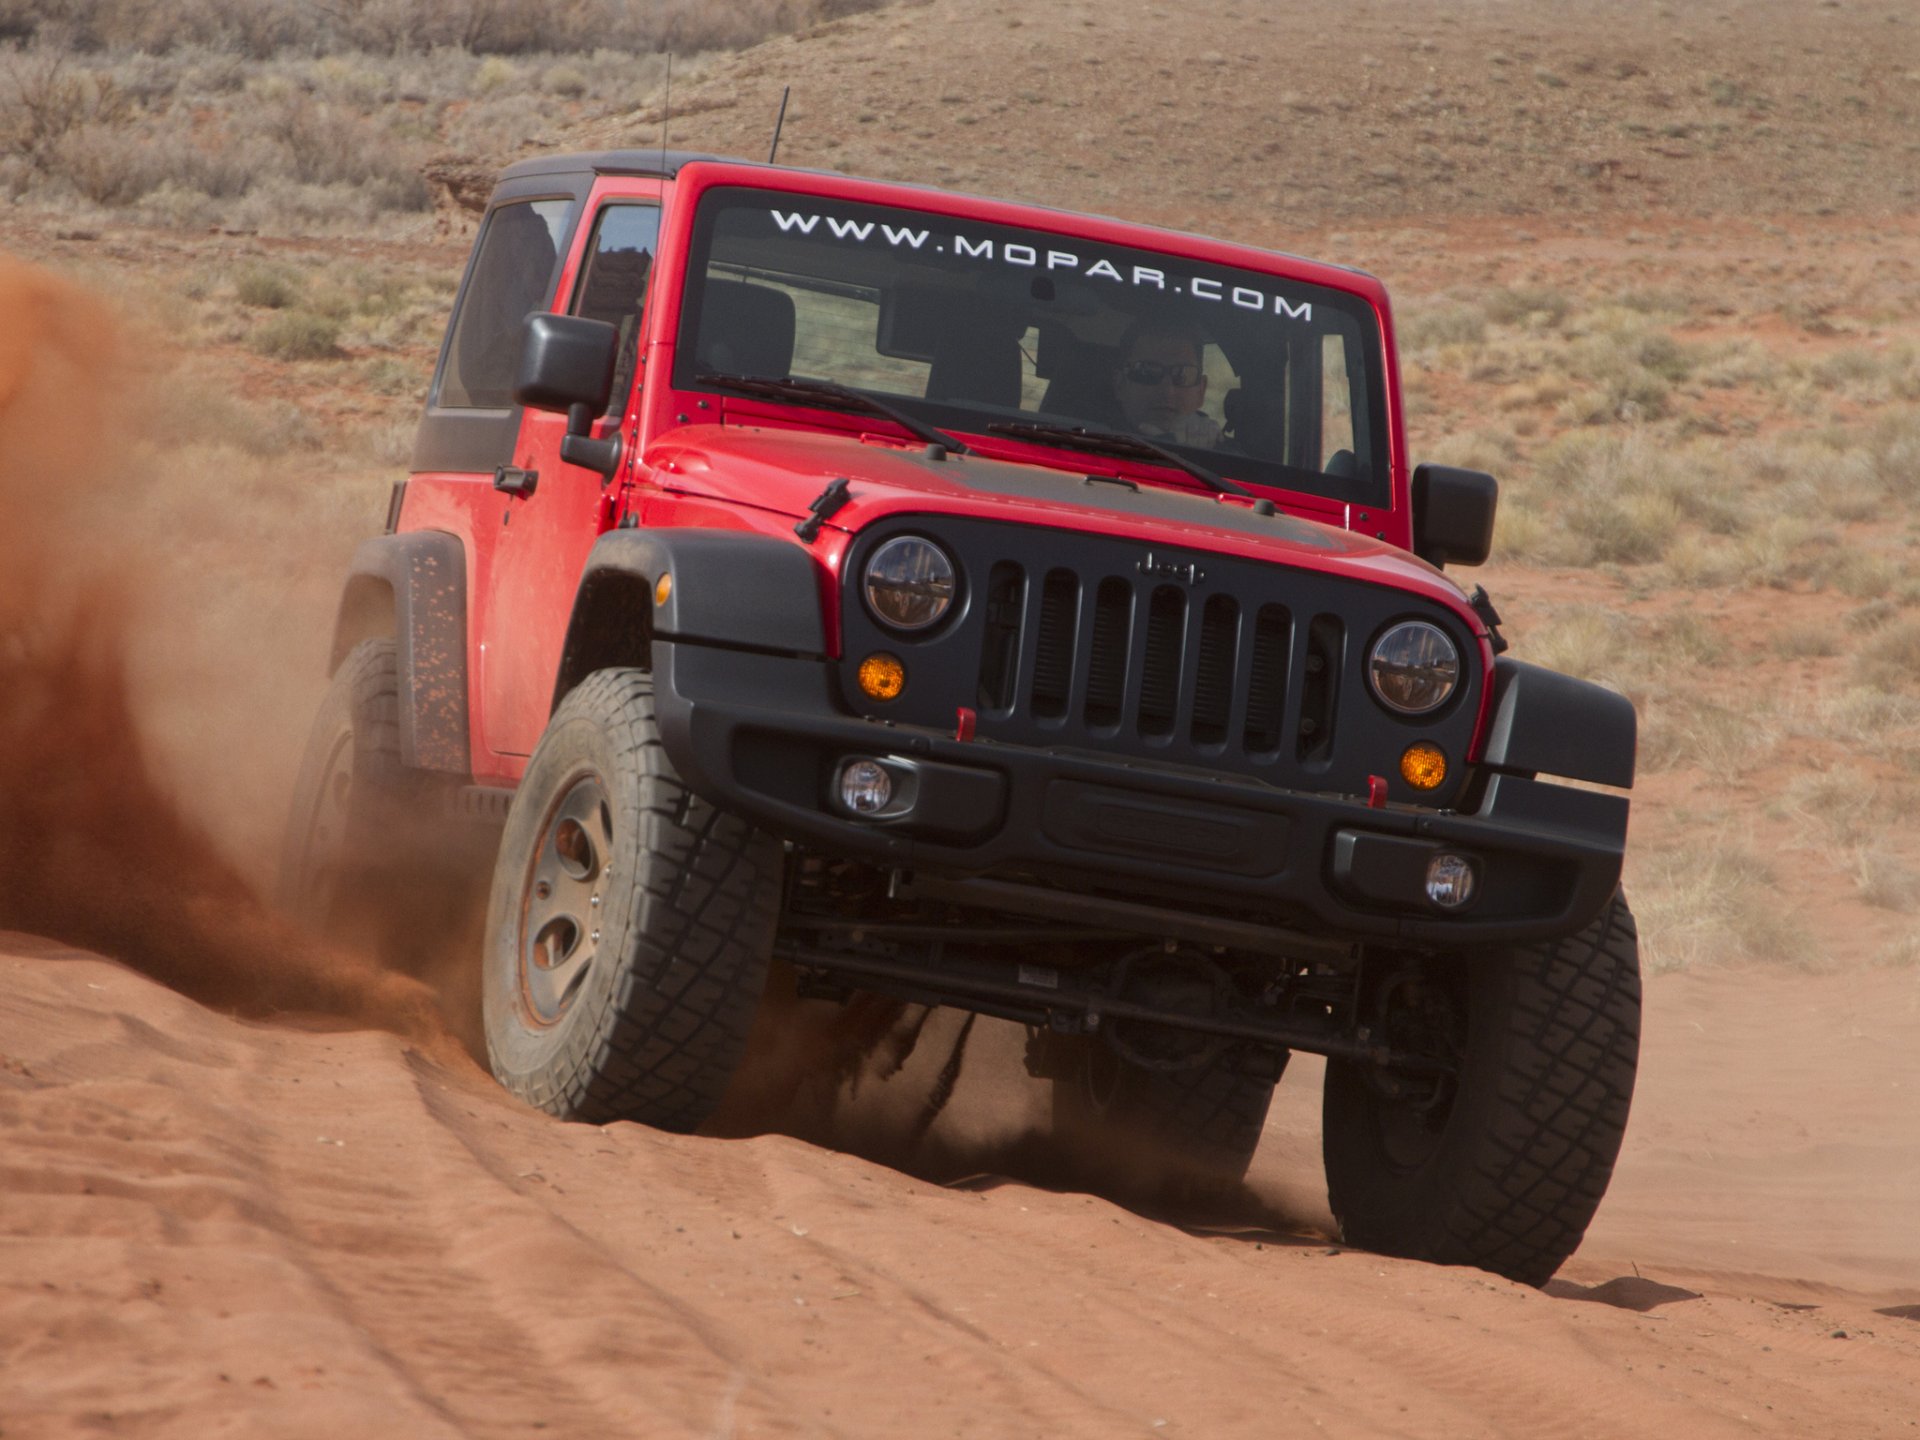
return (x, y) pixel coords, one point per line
(219, 1227)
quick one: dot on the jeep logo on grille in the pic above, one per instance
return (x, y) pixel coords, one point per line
(1158, 569)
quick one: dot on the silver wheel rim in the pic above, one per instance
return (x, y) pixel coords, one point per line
(562, 909)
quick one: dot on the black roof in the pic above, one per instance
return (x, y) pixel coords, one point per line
(609, 162)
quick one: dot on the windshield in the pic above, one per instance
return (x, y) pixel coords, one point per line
(968, 325)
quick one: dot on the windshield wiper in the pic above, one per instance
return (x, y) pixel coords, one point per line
(830, 396)
(1107, 442)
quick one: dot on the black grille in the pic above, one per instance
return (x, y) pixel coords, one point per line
(1140, 657)
(1232, 664)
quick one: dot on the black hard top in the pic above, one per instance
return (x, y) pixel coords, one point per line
(609, 162)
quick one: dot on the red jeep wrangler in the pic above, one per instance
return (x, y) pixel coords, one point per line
(992, 607)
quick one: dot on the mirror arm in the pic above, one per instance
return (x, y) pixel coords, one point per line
(601, 456)
(578, 447)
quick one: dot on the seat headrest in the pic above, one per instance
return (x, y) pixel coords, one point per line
(745, 329)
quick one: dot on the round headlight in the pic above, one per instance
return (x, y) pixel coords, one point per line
(910, 583)
(1414, 667)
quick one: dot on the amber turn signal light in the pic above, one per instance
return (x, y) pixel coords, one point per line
(663, 589)
(882, 676)
(1423, 766)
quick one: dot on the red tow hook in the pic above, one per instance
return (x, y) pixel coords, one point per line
(963, 723)
(1376, 792)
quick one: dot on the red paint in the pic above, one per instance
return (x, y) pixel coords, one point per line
(737, 463)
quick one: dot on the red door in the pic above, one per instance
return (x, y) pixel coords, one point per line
(551, 523)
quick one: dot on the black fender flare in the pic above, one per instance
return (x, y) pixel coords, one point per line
(1546, 723)
(731, 588)
(414, 588)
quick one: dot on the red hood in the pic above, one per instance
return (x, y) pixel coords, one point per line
(783, 470)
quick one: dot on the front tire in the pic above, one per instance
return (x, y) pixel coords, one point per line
(1503, 1165)
(630, 925)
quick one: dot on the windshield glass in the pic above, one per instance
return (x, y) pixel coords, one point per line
(966, 324)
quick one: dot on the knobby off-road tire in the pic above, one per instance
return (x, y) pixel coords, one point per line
(1506, 1170)
(355, 844)
(1192, 1129)
(630, 924)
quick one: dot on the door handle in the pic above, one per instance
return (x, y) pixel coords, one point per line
(515, 481)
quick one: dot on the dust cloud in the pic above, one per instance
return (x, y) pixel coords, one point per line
(94, 850)
(97, 848)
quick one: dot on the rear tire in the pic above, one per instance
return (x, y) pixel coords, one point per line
(1192, 1130)
(347, 862)
(1504, 1166)
(630, 926)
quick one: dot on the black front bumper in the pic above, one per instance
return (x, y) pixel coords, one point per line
(763, 736)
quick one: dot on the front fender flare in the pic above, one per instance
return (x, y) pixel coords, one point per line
(731, 588)
(1546, 723)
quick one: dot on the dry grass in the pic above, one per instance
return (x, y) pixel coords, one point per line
(1713, 904)
(286, 118)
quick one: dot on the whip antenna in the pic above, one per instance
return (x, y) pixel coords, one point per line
(666, 112)
(778, 121)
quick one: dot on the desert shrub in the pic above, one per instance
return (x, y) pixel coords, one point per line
(1446, 322)
(1847, 804)
(1712, 904)
(1864, 574)
(1884, 882)
(265, 289)
(45, 101)
(262, 28)
(298, 335)
(1537, 306)
(1806, 642)
(1890, 659)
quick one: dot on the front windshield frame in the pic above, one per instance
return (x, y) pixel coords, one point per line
(1048, 299)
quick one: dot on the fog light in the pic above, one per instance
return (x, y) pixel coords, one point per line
(882, 676)
(865, 787)
(1449, 880)
(1423, 766)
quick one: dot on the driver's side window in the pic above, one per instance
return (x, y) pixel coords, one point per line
(613, 282)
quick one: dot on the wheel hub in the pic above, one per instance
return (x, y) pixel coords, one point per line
(560, 915)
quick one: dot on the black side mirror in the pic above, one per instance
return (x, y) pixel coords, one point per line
(566, 363)
(1453, 514)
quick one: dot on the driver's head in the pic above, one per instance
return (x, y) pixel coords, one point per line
(1160, 381)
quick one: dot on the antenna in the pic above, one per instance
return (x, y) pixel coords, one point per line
(779, 121)
(666, 112)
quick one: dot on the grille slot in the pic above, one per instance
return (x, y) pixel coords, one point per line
(1000, 645)
(1326, 642)
(1107, 661)
(1267, 682)
(1053, 654)
(1160, 666)
(1213, 669)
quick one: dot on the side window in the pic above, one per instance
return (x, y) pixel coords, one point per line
(1336, 407)
(613, 282)
(512, 276)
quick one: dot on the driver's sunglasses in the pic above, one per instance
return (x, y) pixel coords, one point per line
(1153, 372)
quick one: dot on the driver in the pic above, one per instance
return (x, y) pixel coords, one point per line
(1160, 383)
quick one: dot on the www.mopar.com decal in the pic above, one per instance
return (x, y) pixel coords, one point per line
(1041, 258)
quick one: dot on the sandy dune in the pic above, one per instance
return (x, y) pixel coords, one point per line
(219, 1227)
